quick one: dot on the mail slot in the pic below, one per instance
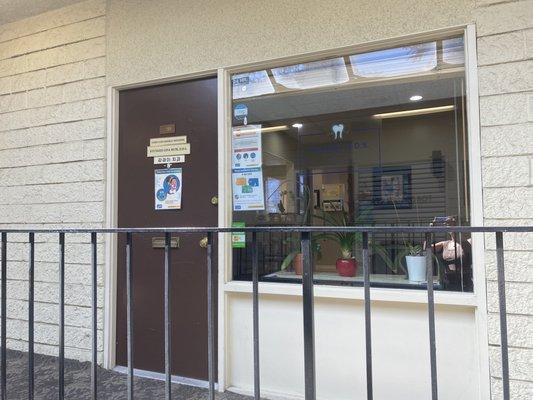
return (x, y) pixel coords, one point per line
(158, 242)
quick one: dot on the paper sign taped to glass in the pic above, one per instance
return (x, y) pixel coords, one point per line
(246, 151)
(248, 193)
(246, 164)
(167, 188)
(238, 239)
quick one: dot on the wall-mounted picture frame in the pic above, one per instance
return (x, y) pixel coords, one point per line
(391, 187)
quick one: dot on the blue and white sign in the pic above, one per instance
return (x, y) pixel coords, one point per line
(167, 188)
(240, 112)
(248, 192)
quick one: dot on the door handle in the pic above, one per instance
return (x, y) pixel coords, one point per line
(203, 242)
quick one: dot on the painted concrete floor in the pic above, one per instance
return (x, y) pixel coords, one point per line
(111, 384)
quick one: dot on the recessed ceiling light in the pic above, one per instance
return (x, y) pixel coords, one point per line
(297, 125)
(415, 97)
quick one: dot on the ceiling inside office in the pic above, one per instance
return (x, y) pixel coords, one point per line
(385, 97)
(14, 10)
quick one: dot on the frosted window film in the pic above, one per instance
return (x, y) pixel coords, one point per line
(453, 51)
(395, 62)
(251, 84)
(313, 74)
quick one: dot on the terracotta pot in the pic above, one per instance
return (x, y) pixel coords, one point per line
(346, 266)
(298, 264)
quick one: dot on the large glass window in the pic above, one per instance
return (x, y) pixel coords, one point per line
(374, 138)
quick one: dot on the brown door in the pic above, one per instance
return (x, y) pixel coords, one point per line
(192, 107)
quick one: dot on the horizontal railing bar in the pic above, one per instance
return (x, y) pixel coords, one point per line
(310, 229)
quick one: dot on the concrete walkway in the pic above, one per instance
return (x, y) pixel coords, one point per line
(111, 384)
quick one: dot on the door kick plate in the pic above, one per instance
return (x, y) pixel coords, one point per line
(158, 242)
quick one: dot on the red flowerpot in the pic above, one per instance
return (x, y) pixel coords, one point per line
(346, 266)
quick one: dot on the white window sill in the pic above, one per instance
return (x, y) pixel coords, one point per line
(356, 293)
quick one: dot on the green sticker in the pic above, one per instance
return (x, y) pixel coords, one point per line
(238, 239)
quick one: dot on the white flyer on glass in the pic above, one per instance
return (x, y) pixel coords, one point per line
(248, 192)
(246, 147)
(167, 188)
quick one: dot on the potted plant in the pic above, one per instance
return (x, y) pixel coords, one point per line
(415, 257)
(296, 257)
(346, 264)
(416, 263)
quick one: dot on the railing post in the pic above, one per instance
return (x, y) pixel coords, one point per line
(368, 321)
(4, 316)
(94, 310)
(61, 389)
(255, 312)
(308, 318)
(211, 316)
(168, 320)
(31, 317)
(431, 318)
(503, 316)
(129, 311)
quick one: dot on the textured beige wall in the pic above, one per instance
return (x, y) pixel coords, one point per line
(158, 39)
(505, 60)
(52, 167)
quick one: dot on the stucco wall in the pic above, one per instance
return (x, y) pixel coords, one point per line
(151, 40)
(52, 149)
(505, 53)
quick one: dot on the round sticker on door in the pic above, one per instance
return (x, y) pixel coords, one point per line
(240, 112)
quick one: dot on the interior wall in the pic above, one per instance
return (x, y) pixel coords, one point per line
(157, 39)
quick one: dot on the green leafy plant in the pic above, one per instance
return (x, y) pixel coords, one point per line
(346, 240)
(350, 241)
(296, 244)
(413, 249)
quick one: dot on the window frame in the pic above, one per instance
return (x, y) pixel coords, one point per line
(474, 154)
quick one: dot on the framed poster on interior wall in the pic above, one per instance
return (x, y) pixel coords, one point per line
(391, 187)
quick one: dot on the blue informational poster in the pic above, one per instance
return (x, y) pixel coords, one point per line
(167, 188)
(247, 173)
(248, 189)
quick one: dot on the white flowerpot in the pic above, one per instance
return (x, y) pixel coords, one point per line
(416, 268)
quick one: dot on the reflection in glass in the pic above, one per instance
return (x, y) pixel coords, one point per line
(251, 84)
(311, 75)
(338, 152)
(395, 62)
(453, 51)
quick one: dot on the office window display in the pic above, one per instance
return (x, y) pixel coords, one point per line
(367, 139)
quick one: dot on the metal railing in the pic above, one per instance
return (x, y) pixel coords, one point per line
(307, 292)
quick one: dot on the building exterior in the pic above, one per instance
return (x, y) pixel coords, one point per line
(70, 80)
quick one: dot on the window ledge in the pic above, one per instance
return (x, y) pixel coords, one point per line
(356, 293)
